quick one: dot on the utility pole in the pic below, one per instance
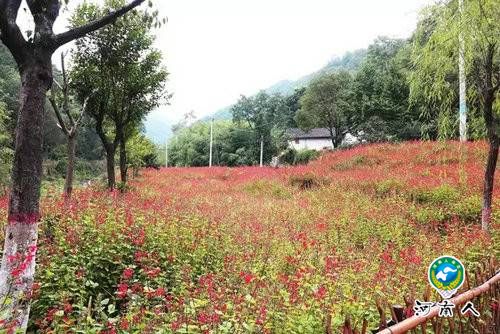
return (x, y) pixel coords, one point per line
(166, 153)
(261, 151)
(211, 141)
(461, 75)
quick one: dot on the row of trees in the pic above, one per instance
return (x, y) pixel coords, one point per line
(260, 118)
(120, 63)
(115, 79)
(370, 101)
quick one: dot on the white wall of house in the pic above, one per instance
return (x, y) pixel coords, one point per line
(310, 143)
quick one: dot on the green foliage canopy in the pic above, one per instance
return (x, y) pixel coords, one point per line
(327, 103)
(435, 54)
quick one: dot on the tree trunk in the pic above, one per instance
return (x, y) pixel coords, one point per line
(21, 233)
(123, 161)
(488, 94)
(489, 179)
(110, 164)
(332, 134)
(68, 185)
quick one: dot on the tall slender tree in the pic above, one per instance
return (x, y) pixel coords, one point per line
(435, 61)
(33, 58)
(69, 127)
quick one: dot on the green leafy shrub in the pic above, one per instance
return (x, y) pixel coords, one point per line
(294, 157)
(388, 187)
(61, 166)
(267, 188)
(89, 169)
(439, 195)
(468, 209)
(303, 157)
(288, 156)
(427, 215)
(356, 161)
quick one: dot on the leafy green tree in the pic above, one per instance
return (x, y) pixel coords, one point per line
(382, 91)
(190, 146)
(436, 59)
(141, 152)
(435, 97)
(33, 59)
(262, 114)
(233, 145)
(327, 103)
(291, 105)
(120, 62)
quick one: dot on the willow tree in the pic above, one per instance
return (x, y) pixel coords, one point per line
(435, 56)
(33, 59)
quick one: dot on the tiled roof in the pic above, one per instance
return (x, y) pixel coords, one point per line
(296, 133)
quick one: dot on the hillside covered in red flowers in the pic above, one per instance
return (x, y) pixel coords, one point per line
(259, 250)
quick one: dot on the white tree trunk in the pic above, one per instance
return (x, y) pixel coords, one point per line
(17, 273)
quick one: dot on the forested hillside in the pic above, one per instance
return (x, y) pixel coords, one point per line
(350, 61)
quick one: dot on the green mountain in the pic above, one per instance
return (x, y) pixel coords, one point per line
(349, 61)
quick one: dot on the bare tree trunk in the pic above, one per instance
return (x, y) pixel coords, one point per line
(489, 179)
(68, 184)
(21, 233)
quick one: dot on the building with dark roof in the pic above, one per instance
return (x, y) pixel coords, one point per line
(314, 139)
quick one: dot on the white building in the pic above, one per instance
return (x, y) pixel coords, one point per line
(315, 139)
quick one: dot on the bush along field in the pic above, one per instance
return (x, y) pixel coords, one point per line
(260, 250)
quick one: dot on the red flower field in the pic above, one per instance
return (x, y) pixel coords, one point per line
(259, 250)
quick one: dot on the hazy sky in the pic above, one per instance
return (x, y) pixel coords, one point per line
(216, 50)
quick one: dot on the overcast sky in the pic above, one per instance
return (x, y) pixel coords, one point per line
(216, 50)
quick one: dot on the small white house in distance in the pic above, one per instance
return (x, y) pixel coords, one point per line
(315, 139)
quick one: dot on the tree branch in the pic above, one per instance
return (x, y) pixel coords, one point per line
(79, 32)
(57, 84)
(58, 114)
(84, 108)
(9, 31)
(497, 85)
(65, 89)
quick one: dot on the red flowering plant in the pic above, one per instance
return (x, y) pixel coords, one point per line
(251, 249)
